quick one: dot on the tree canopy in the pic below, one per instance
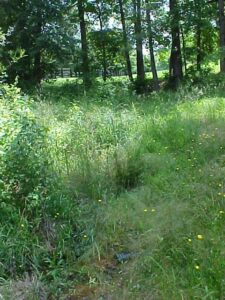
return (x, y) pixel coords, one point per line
(101, 37)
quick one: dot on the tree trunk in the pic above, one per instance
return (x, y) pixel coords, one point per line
(184, 49)
(139, 47)
(84, 46)
(125, 41)
(176, 71)
(37, 70)
(198, 47)
(104, 62)
(151, 48)
(222, 35)
(37, 67)
(198, 34)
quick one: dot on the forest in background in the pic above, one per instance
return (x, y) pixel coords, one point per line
(184, 38)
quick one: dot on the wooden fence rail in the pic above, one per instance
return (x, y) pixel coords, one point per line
(68, 73)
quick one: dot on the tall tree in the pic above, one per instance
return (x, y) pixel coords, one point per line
(176, 71)
(125, 41)
(184, 49)
(199, 30)
(38, 27)
(151, 47)
(113, 41)
(198, 33)
(222, 34)
(38, 70)
(84, 46)
(100, 16)
(139, 45)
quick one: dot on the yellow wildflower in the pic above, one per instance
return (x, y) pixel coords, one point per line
(197, 267)
(200, 237)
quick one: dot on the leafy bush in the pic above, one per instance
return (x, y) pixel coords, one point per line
(143, 86)
(23, 151)
(39, 231)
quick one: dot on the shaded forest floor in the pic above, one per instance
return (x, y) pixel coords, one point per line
(145, 176)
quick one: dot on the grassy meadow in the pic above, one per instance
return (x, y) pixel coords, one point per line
(87, 177)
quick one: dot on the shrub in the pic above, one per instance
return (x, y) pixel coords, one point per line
(40, 232)
(143, 86)
(23, 152)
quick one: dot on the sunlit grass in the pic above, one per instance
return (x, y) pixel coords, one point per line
(149, 176)
(137, 175)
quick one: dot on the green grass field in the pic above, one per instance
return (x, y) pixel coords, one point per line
(141, 176)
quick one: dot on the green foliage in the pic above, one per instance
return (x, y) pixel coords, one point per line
(39, 30)
(149, 176)
(2, 44)
(179, 201)
(38, 220)
(41, 36)
(143, 86)
(111, 173)
(23, 150)
(112, 41)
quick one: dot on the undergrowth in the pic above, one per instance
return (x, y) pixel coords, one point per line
(85, 177)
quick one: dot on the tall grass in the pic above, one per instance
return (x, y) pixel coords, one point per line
(143, 176)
